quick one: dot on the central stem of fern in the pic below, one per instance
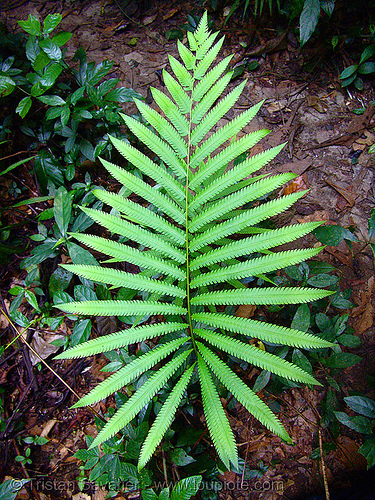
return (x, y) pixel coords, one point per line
(187, 234)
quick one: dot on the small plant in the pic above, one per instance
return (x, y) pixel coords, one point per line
(352, 74)
(190, 246)
(310, 16)
(70, 107)
(30, 440)
(364, 423)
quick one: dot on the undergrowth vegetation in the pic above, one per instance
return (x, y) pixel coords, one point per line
(189, 236)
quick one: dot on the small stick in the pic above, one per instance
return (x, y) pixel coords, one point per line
(247, 451)
(323, 465)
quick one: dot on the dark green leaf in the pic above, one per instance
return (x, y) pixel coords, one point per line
(24, 106)
(50, 23)
(32, 49)
(309, 19)
(19, 318)
(31, 201)
(15, 165)
(342, 360)
(129, 473)
(348, 340)
(31, 299)
(328, 6)
(301, 320)
(62, 209)
(347, 81)
(186, 488)
(50, 75)
(81, 332)
(122, 94)
(78, 94)
(10, 488)
(61, 298)
(52, 50)
(65, 115)
(40, 254)
(40, 62)
(87, 149)
(357, 423)
(47, 168)
(61, 38)
(358, 83)
(174, 34)
(262, 380)
(52, 100)
(100, 71)
(367, 53)
(333, 235)
(82, 292)
(180, 457)
(348, 72)
(340, 302)
(340, 324)
(31, 26)
(361, 404)
(80, 256)
(53, 113)
(60, 280)
(149, 495)
(366, 68)
(322, 280)
(302, 361)
(368, 451)
(371, 224)
(7, 85)
(164, 494)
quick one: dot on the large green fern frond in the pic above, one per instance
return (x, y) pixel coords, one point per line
(194, 237)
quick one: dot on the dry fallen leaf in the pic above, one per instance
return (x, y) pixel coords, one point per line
(171, 13)
(313, 101)
(133, 56)
(367, 140)
(348, 454)
(364, 313)
(43, 346)
(149, 19)
(298, 184)
(100, 494)
(318, 215)
(48, 427)
(81, 496)
(246, 311)
(276, 106)
(346, 193)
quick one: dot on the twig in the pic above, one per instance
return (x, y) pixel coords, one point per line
(46, 364)
(165, 469)
(15, 411)
(247, 451)
(323, 465)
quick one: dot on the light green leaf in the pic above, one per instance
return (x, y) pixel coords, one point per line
(164, 419)
(217, 422)
(134, 404)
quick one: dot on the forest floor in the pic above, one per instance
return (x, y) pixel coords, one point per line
(327, 146)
